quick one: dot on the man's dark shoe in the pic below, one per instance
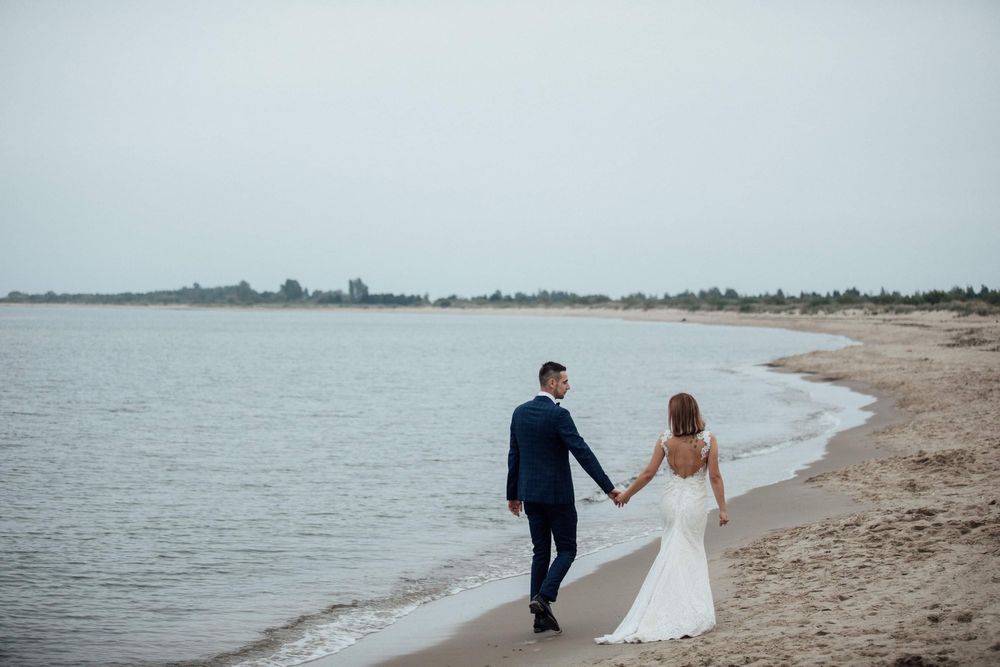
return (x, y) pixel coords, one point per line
(539, 624)
(542, 610)
(548, 623)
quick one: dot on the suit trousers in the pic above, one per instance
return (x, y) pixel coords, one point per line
(551, 523)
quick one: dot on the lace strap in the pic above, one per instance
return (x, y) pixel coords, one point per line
(663, 441)
(706, 435)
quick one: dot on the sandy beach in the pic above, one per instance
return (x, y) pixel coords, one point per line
(885, 552)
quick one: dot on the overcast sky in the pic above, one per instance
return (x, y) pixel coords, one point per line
(468, 146)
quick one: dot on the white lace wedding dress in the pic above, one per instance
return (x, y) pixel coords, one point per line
(675, 599)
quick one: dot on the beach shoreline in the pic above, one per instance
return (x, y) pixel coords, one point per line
(439, 619)
(818, 502)
(882, 552)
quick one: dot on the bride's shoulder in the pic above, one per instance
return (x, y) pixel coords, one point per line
(708, 439)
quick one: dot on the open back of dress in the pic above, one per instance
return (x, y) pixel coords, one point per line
(687, 458)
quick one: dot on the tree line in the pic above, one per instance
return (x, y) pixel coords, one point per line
(984, 301)
(291, 292)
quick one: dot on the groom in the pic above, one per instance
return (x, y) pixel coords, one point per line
(542, 434)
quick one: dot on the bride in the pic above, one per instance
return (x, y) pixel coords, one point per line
(675, 599)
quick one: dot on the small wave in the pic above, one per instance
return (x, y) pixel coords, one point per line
(22, 413)
(601, 497)
(274, 638)
(815, 425)
(130, 409)
(338, 626)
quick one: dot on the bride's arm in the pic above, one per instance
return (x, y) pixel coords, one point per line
(715, 476)
(644, 477)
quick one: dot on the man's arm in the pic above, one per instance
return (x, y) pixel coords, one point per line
(513, 468)
(582, 452)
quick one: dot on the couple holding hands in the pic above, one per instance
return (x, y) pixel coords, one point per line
(675, 599)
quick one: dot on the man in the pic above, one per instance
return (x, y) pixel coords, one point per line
(542, 434)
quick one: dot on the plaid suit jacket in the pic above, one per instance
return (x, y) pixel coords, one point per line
(542, 435)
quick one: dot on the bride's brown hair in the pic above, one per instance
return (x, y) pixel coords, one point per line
(685, 417)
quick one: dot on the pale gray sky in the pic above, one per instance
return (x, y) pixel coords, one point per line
(468, 146)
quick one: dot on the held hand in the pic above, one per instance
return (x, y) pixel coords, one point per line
(723, 517)
(622, 499)
(515, 507)
(614, 495)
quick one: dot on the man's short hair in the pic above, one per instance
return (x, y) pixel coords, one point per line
(549, 369)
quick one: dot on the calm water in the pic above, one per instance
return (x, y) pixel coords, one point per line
(262, 487)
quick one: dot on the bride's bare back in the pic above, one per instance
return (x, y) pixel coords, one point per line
(687, 454)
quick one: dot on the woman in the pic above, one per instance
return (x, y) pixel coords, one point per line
(675, 599)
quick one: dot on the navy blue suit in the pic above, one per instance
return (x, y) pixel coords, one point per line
(542, 436)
